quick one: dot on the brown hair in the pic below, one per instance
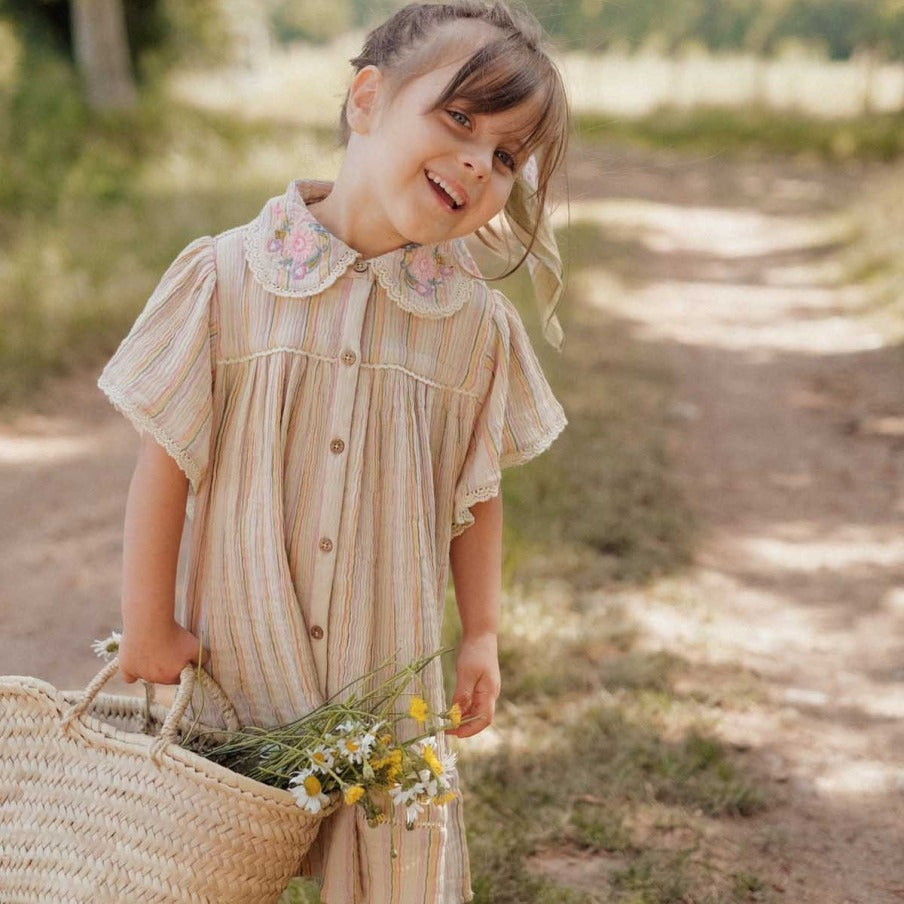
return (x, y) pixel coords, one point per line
(501, 74)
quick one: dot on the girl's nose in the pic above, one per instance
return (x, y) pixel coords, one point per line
(475, 162)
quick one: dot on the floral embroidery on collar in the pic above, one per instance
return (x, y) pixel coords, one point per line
(299, 246)
(291, 254)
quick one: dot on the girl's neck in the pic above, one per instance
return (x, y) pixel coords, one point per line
(352, 215)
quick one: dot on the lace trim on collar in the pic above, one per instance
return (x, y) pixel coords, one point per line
(292, 255)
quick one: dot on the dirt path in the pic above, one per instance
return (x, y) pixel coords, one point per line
(790, 444)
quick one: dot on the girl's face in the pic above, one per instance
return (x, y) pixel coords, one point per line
(435, 174)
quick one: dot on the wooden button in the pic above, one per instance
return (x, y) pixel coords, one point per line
(326, 544)
(349, 357)
(316, 632)
(360, 266)
(337, 446)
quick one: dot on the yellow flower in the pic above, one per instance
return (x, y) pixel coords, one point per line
(455, 715)
(418, 709)
(393, 763)
(444, 798)
(312, 785)
(436, 767)
(353, 794)
(386, 739)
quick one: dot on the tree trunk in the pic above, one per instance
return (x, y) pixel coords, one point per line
(869, 78)
(102, 53)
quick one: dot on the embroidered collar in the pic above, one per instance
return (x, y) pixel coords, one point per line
(293, 255)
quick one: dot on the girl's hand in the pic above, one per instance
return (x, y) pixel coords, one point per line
(478, 683)
(158, 658)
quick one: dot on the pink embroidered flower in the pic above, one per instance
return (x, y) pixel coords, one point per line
(300, 272)
(422, 266)
(302, 244)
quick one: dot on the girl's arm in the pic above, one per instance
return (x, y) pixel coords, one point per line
(475, 556)
(154, 646)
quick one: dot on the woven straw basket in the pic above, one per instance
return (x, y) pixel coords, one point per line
(95, 808)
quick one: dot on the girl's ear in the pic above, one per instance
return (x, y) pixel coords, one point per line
(363, 96)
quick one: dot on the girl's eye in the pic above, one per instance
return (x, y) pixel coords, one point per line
(507, 159)
(459, 117)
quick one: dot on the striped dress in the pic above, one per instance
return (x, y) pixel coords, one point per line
(336, 417)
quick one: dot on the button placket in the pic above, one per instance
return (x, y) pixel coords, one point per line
(335, 469)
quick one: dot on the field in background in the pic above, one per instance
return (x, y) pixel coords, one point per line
(305, 84)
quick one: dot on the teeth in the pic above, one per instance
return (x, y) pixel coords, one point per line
(446, 188)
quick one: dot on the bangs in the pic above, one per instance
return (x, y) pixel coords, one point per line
(504, 74)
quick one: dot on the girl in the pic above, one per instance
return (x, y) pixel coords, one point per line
(331, 391)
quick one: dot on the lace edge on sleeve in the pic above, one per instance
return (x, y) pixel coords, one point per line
(463, 517)
(538, 446)
(141, 421)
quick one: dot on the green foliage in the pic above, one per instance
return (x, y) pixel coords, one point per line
(82, 241)
(320, 21)
(839, 27)
(161, 32)
(310, 20)
(34, 158)
(720, 130)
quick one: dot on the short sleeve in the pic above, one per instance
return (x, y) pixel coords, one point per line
(518, 419)
(161, 376)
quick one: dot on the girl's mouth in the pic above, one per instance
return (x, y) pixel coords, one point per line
(446, 193)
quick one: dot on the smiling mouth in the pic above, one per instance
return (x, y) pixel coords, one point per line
(443, 193)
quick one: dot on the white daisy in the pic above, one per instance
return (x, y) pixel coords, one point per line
(413, 810)
(428, 783)
(408, 798)
(323, 758)
(355, 743)
(308, 792)
(349, 726)
(355, 749)
(108, 647)
(448, 761)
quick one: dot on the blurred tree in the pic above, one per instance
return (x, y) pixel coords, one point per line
(725, 24)
(320, 21)
(838, 27)
(317, 21)
(367, 13)
(160, 32)
(102, 53)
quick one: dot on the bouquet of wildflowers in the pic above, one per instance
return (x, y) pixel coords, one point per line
(349, 748)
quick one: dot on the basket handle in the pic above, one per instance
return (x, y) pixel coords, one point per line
(183, 697)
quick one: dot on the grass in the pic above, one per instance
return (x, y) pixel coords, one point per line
(875, 260)
(583, 782)
(753, 129)
(604, 490)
